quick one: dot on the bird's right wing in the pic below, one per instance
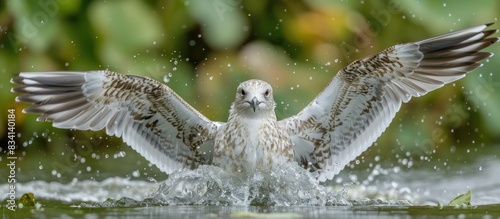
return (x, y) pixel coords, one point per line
(363, 98)
(148, 115)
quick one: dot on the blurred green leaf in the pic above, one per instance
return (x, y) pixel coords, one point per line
(222, 22)
(36, 25)
(27, 200)
(129, 24)
(461, 200)
(126, 43)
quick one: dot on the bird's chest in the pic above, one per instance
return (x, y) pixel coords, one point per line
(248, 145)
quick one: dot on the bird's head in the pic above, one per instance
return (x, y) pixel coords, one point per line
(254, 97)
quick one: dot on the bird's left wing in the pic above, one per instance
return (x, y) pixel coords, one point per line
(148, 115)
(363, 98)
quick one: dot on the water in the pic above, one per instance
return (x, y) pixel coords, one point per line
(261, 212)
(210, 185)
(209, 192)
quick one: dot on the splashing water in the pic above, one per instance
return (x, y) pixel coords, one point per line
(201, 189)
(290, 185)
(210, 185)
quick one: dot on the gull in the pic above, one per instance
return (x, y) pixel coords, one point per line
(333, 129)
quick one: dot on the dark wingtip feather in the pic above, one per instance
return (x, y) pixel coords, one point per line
(16, 80)
(460, 38)
(494, 39)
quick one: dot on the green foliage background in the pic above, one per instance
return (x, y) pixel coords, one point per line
(204, 49)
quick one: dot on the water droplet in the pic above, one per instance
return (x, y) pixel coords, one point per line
(136, 173)
(166, 79)
(119, 154)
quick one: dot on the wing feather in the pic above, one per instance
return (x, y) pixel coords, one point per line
(149, 116)
(363, 98)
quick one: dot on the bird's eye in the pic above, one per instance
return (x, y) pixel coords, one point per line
(243, 92)
(266, 93)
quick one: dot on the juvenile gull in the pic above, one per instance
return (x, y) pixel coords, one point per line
(339, 124)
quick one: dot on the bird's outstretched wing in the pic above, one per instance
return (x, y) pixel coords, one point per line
(363, 98)
(148, 115)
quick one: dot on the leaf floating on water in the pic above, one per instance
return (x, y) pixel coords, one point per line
(27, 200)
(244, 214)
(461, 200)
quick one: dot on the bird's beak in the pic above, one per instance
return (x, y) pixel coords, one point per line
(254, 103)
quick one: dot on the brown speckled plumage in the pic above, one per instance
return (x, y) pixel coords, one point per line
(252, 140)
